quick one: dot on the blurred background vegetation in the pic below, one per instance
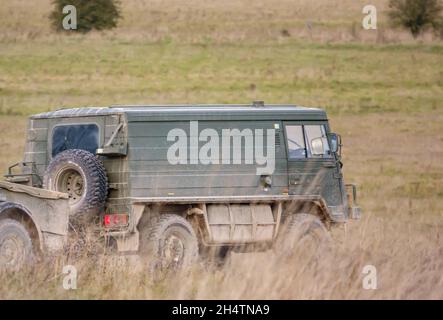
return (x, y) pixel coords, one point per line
(89, 15)
(235, 51)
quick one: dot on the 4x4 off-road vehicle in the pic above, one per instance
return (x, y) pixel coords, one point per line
(166, 182)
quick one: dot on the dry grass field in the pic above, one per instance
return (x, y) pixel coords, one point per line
(382, 89)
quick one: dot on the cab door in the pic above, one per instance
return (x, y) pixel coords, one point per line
(312, 168)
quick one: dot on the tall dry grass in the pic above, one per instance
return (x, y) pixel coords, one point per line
(408, 258)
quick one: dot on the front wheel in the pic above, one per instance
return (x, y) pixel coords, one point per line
(15, 245)
(304, 231)
(170, 245)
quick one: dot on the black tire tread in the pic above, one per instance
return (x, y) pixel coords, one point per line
(155, 231)
(95, 171)
(151, 235)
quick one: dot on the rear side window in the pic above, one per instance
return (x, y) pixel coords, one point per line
(78, 136)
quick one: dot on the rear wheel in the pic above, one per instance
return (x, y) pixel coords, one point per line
(15, 245)
(170, 245)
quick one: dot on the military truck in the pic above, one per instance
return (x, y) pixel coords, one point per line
(169, 181)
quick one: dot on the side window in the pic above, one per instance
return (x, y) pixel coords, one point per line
(296, 142)
(78, 136)
(317, 142)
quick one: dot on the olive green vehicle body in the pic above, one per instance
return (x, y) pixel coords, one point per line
(229, 204)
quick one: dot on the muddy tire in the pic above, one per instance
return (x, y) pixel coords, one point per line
(215, 256)
(168, 246)
(15, 245)
(82, 175)
(304, 230)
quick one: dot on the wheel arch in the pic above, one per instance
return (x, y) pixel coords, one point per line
(316, 207)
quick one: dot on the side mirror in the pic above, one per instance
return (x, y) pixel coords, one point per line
(335, 142)
(317, 148)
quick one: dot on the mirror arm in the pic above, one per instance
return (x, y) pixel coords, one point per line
(339, 145)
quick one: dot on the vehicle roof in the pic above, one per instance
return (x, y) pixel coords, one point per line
(193, 112)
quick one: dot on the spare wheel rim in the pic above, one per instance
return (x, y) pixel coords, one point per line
(71, 180)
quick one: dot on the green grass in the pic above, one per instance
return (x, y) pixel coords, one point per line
(343, 78)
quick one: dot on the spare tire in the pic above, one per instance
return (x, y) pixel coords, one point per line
(82, 176)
